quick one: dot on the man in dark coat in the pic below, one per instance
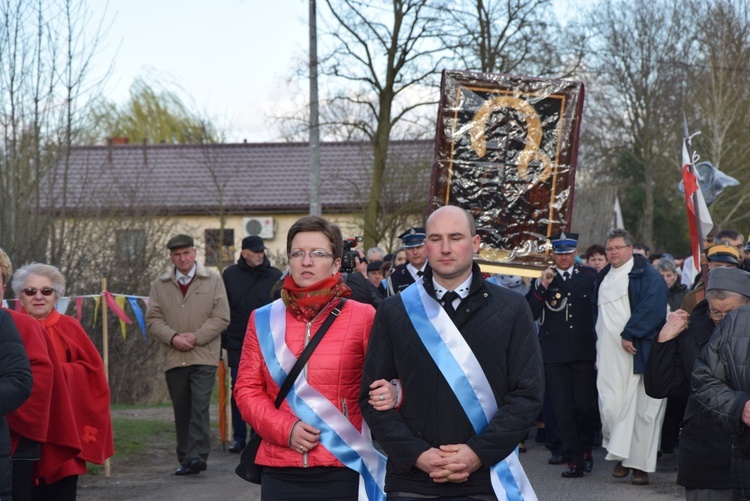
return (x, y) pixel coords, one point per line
(406, 274)
(445, 440)
(248, 284)
(561, 301)
(15, 388)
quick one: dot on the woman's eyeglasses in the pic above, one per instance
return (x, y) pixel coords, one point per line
(315, 255)
(46, 291)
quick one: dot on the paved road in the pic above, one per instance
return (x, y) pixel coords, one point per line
(220, 483)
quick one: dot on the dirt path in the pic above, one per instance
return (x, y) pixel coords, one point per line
(149, 475)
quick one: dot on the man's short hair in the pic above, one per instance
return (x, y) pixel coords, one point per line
(469, 220)
(619, 233)
(645, 248)
(595, 249)
(728, 235)
(375, 250)
(317, 223)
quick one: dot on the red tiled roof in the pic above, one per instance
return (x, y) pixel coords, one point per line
(198, 179)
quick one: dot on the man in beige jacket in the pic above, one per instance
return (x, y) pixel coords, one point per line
(187, 311)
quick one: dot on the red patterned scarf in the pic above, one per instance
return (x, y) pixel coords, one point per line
(304, 303)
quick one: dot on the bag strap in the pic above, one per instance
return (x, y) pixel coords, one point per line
(302, 360)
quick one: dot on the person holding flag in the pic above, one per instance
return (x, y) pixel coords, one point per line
(467, 356)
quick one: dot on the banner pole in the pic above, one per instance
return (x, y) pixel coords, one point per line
(105, 355)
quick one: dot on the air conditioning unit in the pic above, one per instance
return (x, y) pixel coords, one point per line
(260, 226)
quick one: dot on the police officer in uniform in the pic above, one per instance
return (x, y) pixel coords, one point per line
(561, 301)
(406, 274)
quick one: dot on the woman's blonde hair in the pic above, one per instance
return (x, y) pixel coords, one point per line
(6, 269)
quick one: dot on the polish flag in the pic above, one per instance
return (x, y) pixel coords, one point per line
(699, 220)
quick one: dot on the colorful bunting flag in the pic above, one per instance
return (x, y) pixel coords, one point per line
(138, 314)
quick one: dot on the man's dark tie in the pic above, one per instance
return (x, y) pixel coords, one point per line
(566, 275)
(448, 299)
(420, 273)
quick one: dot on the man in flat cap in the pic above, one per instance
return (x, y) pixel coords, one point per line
(561, 301)
(721, 376)
(705, 448)
(187, 310)
(408, 273)
(248, 284)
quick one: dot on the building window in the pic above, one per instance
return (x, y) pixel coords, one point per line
(219, 253)
(131, 246)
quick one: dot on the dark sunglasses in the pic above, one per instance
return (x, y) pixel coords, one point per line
(46, 291)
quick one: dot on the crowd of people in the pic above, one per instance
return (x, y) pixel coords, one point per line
(637, 350)
(407, 375)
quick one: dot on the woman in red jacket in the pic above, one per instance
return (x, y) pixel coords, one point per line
(39, 286)
(303, 453)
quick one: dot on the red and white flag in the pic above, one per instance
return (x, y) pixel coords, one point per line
(699, 220)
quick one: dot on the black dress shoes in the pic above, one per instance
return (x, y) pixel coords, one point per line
(237, 446)
(192, 466)
(556, 459)
(196, 465)
(183, 470)
(588, 462)
(572, 472)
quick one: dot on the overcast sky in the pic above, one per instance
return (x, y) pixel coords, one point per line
(231, 57)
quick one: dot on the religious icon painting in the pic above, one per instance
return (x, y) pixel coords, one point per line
(506, 150)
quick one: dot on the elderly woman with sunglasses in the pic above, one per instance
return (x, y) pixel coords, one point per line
(38, 287)
(312, 445)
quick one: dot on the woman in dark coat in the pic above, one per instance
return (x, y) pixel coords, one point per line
(670, 428)
(705, 448)
(677, 291)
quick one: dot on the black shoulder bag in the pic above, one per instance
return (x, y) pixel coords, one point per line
(247, 469)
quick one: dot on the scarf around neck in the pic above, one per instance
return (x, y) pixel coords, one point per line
(304, 303)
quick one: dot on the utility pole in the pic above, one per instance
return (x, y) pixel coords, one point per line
(315, 205)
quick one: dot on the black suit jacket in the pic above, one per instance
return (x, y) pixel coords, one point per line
(566, 314)
(399, 279)
(497, 325)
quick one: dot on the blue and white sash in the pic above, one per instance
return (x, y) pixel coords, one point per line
(462, 371)
(337, 433)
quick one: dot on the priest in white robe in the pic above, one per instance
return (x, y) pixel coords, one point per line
(632, 306)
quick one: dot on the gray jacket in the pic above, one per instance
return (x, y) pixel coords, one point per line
(721, 377)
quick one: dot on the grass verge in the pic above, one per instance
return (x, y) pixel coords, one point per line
(132, 435)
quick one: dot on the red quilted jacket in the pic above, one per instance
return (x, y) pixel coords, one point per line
(334, 370)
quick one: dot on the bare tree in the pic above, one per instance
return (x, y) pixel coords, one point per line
(717, 102)
(511, 36)
(638, 50)
(377, 59)
(46, 49)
